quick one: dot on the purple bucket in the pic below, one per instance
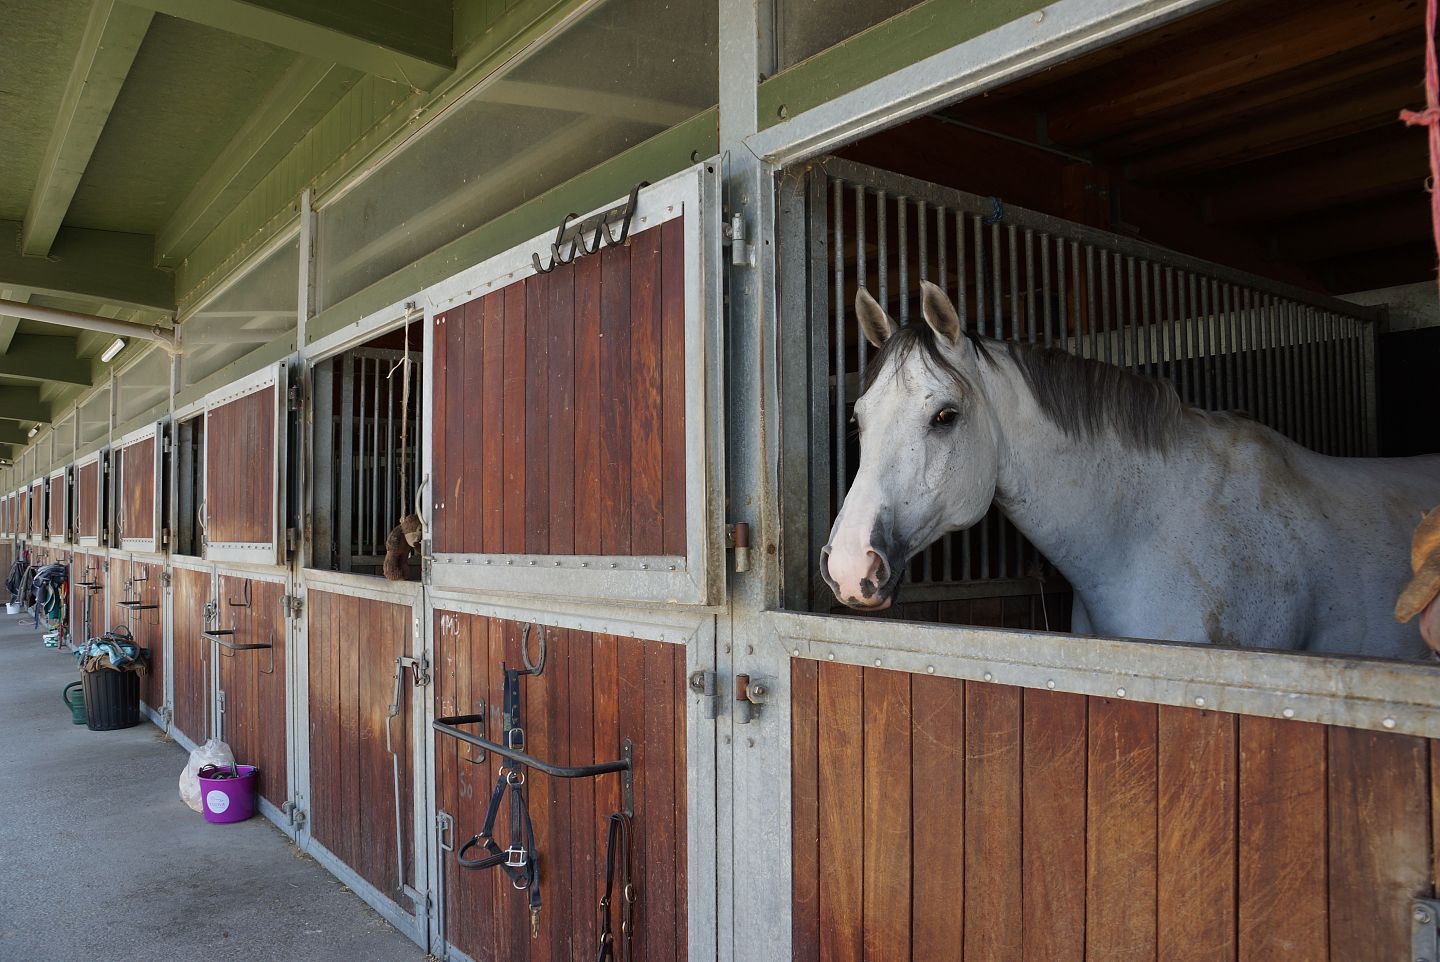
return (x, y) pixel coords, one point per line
(228, 799)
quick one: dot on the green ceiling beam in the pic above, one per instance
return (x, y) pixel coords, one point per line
(107, 49)
(104, 266)
(8, 324)
(12, 434)
(296, 103)
(41, 357)
(21, 403)
(388, 41)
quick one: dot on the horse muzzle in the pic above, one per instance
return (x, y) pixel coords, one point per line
(864, 579)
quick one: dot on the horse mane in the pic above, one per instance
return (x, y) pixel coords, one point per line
(1083, 397)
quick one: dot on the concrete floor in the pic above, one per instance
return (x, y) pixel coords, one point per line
(100, 861)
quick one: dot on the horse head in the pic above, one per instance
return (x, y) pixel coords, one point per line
(929, 449)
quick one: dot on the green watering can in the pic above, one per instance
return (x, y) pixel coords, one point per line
(74, 695)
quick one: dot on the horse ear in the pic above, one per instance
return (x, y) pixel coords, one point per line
(940, 313)
(874, 322)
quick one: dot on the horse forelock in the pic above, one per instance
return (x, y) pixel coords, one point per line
(1083, 397)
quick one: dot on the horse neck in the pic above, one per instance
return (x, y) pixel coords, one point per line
(1078, 499)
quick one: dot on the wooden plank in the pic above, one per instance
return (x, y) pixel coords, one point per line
(456, 416)
(1053, 829)
(1282, 901)
(586, 865)
(661, 835)
(492, 415)
(589, 480)
(631, 697)
(317, 648)
(993, 901)
(517, 322)
(561, 436)
(439, 425)
(447, 752)
(615, 323)
(842, 828)
(537, 417)
(1120, 831)
(646, 496)
(347, 701)
(886, 796)
(1198, 768)
(1379, 841)
(805, 808)
(469, 536)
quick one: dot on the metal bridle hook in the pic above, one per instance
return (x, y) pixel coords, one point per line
(537, 666)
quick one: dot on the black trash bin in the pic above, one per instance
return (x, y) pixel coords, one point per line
(112, 699)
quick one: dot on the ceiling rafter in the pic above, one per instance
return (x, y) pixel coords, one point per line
(43, 358)
(9, 324)
(22, 403)
(296, 103)
(112, 37)
(379, 39)
(97, 265)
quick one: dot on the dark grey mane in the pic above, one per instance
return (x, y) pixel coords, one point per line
(1084, 398)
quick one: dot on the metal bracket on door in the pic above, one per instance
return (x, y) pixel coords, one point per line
(749, 695)
(705, 683)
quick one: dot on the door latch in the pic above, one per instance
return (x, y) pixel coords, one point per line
(749, 696)
(737, 537)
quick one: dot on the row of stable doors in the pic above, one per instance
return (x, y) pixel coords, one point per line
(315, 697)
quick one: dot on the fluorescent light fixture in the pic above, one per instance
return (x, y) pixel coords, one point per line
(34, 430)
(116, 346)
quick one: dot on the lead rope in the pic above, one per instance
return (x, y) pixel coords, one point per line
(617, 844)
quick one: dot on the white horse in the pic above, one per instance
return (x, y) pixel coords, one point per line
(1169, 522)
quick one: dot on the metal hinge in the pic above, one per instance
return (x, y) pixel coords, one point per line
(1425, 930)
(292, 540)
(732, 233)
(293, 813)
(737, 538)
(750, 694)
(165, 579)
(707, 685)
(294, 605)
(164, 537)
(293, 397)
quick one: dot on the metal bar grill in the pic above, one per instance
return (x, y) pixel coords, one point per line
(1292, 359)
(370, 477)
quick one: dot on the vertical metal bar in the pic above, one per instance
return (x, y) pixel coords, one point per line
(1274, 396)
(997, 283)
(345, 477)
(1012, 240)
(1107, 341)
(389, 517)
(801, 225)
(1030, 285)
(941, 243)
(375, 536)
(1047, 306)
(1133, 315)
(1172, 322)
(860, 277)
(960, 285)
(1090, 301)
(980, 310)
(922, 228)
(1142, 322)
(1252, 356)
(1352, 374)
(842, 416)
(1224, 349)
(1237, 357)
(882, 241)
(1292, 373)
(1207, 343)
(902, 255)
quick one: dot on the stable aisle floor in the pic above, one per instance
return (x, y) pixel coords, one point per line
(100, 861)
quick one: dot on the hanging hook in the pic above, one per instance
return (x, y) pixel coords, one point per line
(537, 666)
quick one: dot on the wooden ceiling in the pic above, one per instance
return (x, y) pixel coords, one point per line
(1261, 133)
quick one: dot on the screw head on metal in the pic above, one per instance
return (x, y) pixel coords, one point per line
(1421, 914)
(989, 677)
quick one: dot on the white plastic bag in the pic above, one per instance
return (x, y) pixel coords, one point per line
(213, 752)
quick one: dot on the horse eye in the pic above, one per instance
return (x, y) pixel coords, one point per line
(945, 416)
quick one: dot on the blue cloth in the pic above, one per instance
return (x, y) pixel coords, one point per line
(121, 650)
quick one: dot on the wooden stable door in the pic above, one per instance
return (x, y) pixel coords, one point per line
(595, 692)
(936, 818)
(570, 451)
(191, 652)
(244, 469)
(137, 603)
(252, 681)
(138, 489)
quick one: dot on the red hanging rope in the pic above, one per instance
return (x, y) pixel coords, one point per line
(1430, 117)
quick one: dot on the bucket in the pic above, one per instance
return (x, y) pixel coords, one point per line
(51, 639)
(74, 695)
(230, 798)
(12, 607)
(112, 699)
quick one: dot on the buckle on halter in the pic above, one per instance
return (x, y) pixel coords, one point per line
(516, 857)
(515, 738)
